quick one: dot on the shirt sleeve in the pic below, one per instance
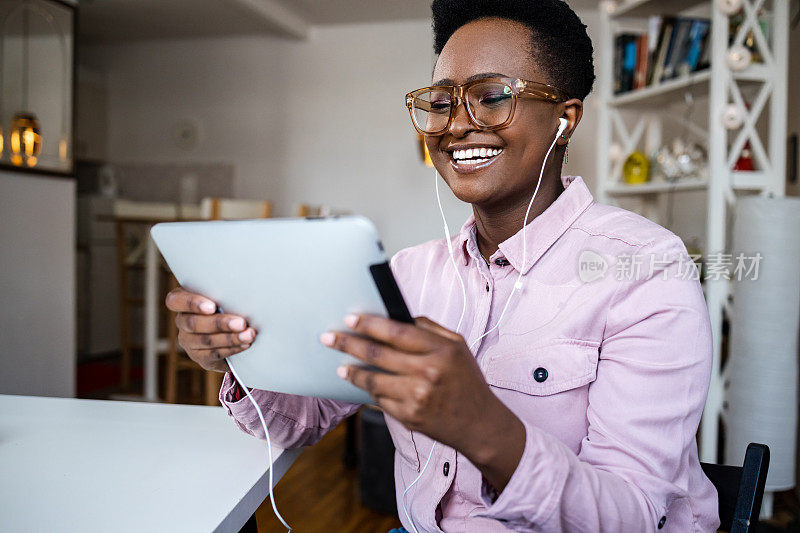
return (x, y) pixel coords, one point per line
(644, 409)
(293, 421)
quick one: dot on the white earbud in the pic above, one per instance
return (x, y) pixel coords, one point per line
(562, 125)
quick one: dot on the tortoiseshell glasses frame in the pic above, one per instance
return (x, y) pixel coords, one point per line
(490, 102)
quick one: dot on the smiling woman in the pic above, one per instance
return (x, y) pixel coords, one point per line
(541, 399)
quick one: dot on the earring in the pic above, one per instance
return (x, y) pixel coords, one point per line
(566, 150)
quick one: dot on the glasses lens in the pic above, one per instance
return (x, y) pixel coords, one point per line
(431, 110)
(490, 102)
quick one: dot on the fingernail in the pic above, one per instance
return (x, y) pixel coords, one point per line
(244, 346)
(327, 338)
(342, 372)
(236, 324)
(247, 335)
(208, 307)
(351, 321)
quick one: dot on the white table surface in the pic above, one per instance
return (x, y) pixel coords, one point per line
(88, 465)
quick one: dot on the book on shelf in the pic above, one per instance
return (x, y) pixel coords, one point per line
(671, 47)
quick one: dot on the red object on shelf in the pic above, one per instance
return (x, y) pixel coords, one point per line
(745, 161)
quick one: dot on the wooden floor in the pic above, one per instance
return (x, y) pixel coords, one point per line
(319, 494)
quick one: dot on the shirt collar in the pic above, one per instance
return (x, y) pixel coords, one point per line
(542, 231)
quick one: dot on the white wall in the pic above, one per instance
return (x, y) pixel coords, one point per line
(37, 285)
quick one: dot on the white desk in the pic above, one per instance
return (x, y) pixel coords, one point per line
(85, 465)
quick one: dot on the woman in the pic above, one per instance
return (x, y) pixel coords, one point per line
(578, 410)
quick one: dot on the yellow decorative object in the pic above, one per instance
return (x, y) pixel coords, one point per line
(636, 169)
(26, 140)
(423, 148)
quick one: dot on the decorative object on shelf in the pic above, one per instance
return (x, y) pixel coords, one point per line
(732, 117)
(36, 85)
(729, 7)
(745, 161)
(739, 23)
(636, 169)
(738, 58)
(423, 151)
(680, 160)
(26, 140)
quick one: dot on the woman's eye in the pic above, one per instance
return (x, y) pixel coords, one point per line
(494, 98)
(440, 105)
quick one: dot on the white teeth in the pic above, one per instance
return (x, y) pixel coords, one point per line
(483, 153)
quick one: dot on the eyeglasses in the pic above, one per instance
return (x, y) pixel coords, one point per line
(490, 103)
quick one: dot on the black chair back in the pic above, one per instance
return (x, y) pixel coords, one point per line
(740, 489)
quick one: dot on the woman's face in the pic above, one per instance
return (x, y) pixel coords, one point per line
(494, 47)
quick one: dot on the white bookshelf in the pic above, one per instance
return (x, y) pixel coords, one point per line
(650, 107)
(656, 187)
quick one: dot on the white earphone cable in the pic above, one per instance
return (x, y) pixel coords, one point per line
(269, 444)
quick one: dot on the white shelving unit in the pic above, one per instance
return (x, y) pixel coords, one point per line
(648, 108)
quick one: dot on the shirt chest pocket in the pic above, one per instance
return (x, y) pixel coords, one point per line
(546, 369)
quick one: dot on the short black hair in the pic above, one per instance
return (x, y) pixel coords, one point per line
(560, 44)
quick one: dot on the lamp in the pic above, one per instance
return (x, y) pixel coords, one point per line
(25, 134)
(423, 149)
(26, 139)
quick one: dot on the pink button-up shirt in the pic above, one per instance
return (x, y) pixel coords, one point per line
(605, 356)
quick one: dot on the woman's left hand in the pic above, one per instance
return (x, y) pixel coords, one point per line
(432, 384)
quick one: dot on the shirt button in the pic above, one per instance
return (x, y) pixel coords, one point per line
(540, 374)
(662, 522)
(501, 261)
(487, 287)
(446, 469)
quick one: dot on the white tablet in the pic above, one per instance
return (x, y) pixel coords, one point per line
(292, 279)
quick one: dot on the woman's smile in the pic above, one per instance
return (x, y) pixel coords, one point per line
(470, 158)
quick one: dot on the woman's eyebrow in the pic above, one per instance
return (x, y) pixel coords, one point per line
(483, 75)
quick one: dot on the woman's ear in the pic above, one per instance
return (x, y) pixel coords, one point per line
(573, 111)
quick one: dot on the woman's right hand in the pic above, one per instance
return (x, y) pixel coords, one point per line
(207, 336)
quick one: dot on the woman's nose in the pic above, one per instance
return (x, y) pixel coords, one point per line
(461, 124)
